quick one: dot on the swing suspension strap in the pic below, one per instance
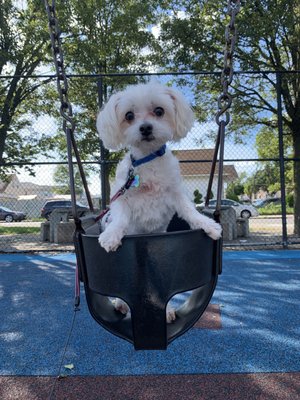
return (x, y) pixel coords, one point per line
(224, 104)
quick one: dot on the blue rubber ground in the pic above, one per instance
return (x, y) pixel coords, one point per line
(259, 296)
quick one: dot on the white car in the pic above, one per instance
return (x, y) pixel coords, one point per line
(241, 210)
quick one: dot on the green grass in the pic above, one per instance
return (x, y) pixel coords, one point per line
(19, 230)
(274, 209)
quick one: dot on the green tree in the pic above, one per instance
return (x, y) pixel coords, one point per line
(269, 39)
(267, 145)
(100, 37)
(265, 179)
(23, 43)
(62, 182)
(234, 190)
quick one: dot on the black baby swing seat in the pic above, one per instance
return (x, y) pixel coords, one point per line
(146, 272)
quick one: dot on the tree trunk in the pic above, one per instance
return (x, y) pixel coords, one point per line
(10, 104)
(296, 141)
(4, 126)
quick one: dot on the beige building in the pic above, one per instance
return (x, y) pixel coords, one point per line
(195, 168)
(27, 197)
(12, 188)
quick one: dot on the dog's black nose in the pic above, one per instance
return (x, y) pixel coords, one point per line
(146, 129)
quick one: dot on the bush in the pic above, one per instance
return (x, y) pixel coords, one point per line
(290, 200)
(274, 209)
(197, 197)
(234, 190)
(232, 196)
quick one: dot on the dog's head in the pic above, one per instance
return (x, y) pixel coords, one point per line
(145, 117)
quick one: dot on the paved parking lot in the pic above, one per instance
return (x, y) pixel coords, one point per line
(271, 223)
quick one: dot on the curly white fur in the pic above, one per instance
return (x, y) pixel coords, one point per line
(165, 116)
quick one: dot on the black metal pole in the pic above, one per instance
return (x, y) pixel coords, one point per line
(281, 160)
(213, 168)
(103, 164)
(221, 162)
(71, 174)
(81, 171)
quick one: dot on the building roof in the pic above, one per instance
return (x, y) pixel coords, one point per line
(6, 182)
(12, 185)
(198, 162)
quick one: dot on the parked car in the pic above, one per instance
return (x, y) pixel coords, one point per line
(259, 203)
(241, 210)
(9, 215)
(51, 205)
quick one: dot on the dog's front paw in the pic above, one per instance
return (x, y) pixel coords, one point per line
(170, 314)
(213, 230)
(109, 241)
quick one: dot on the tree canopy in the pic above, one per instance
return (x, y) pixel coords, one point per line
(98, 36)
(62, 180)
(23, 43)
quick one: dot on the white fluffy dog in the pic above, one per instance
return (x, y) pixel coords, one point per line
(142, 119)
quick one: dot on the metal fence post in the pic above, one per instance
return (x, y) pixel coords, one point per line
(103, 164)
(281, 159)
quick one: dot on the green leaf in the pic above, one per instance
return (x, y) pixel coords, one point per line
(69, 366)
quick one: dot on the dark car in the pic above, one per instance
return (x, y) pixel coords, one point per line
(51, 205)
(9, 215)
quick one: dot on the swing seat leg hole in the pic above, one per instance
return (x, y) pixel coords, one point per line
(122, 307)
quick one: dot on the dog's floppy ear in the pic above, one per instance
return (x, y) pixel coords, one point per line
(184, 115)
(108, 125)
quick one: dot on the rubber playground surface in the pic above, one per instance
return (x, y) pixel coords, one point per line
(246, 345)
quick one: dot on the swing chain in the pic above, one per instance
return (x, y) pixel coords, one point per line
(62, 82)
(225, 99)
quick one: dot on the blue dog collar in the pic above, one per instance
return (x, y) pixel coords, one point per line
(160, 152)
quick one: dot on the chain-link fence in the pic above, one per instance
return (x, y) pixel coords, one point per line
(261, 172)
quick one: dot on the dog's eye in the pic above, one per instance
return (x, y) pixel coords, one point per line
(129, 116)
(159, 111)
